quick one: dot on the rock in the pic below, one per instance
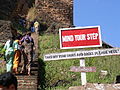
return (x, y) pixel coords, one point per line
(11, 9)
(50, 11)
(6, 8)
(76, 88)
(96, 86)
(6, 31)
(103, 73)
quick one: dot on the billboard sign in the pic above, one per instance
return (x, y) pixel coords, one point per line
(80, 37)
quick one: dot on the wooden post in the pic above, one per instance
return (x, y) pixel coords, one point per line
(83, 74)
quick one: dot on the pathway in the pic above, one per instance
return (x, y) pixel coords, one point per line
(26, 82)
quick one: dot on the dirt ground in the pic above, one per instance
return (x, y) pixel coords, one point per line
(35, 37)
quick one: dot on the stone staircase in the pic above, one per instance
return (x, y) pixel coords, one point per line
(26, 82)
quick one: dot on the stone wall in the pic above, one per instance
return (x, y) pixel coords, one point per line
(22, 8)
(55, 11)
(6, 8)
(6, 31)
(11, 9)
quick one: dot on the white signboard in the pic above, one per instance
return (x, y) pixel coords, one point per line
(82, 54)
(82, 69)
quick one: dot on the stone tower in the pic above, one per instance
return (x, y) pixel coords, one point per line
(55, 11)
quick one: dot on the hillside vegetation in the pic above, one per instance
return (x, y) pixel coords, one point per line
(57, 72)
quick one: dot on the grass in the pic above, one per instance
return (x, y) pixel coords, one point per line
(57, 73)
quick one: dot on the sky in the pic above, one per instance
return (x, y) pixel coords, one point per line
(105, 13)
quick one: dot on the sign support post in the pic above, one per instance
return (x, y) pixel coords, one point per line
(83, 74)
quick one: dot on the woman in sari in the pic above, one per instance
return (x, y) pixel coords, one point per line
(17, 56)
(9, 54)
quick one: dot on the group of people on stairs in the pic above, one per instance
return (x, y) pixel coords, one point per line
(32, 26)
(14, 49)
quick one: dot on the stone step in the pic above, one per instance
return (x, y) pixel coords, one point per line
(27, 82)
(34, 68)
(34, 65)
(30, 88)
(26, 77)
(34, 73)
